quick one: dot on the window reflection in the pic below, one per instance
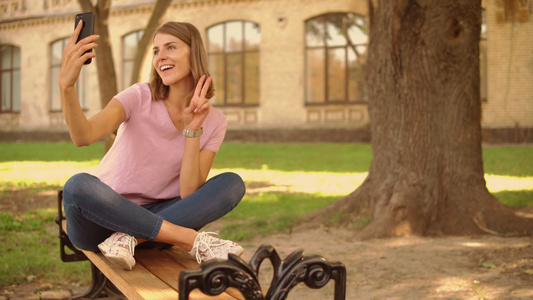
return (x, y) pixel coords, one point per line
(233, 51)
(483, 70)
(129, 51)
(56, 49)
(10, 79)
(234, 36)
(335, 57)
(316, 87)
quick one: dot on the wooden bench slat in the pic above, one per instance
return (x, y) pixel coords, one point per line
(183, 258)
(167, 268)
(188, 262)
(136, 284)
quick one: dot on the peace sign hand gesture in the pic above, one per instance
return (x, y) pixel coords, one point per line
(195, 114)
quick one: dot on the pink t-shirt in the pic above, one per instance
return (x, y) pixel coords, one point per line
(144, 162)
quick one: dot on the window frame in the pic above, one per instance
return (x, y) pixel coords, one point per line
(483, 60)
(81, 83)
(243, 54)
(139, 34)
(326, 50)
(11, 70)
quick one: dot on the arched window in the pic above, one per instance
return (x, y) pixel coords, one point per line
(233, 50)
(10, 74)
(483, 76)
(56, 50)
(129, 51)
(335, 56)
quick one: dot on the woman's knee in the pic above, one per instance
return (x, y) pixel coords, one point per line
(234, 188)
(235, 183)
(77, 186)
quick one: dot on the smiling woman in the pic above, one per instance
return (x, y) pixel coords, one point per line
(172, 60)
(178, 45)
(157, 169)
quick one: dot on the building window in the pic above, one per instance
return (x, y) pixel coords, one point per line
(233, 51)
(129, 51)
(10, 74)
(335, 56)
(483, 72)
(56, 50)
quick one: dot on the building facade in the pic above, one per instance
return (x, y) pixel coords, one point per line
(285, 70)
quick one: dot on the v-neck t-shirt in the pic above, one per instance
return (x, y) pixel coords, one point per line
(144, 162)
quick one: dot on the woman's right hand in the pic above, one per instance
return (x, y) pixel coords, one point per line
(74, 56)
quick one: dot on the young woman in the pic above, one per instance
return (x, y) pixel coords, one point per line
(150, 189)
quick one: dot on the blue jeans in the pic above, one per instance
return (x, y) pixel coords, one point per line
(94, 211)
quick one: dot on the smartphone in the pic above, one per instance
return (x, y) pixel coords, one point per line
(87, 29)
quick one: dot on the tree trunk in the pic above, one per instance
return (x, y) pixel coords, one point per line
(426, 177)
(160, 9)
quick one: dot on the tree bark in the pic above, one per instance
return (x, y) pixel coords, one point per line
(426, 177)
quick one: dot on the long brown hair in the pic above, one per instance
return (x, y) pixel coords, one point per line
(190, 36)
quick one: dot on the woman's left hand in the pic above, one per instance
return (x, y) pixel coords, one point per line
(195, 114)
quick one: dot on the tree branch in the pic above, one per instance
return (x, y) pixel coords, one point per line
(160, 9)
(86, 5)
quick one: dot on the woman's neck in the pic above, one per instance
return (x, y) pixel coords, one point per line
(179, 94)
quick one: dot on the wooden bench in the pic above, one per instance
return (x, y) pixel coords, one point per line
(154, 276)
(174, 274)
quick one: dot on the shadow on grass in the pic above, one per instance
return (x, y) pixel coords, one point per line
(18, 199)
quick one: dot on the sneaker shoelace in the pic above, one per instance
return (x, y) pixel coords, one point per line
(129, 243)
(204, 239)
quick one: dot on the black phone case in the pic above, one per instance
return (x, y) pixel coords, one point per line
(87, 29)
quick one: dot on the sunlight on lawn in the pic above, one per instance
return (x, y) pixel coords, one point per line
(57, 172)
(496, 183)
(325, 183)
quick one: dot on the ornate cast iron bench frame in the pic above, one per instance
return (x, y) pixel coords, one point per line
(216, 276)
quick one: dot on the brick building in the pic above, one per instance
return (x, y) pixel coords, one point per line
(286, 70)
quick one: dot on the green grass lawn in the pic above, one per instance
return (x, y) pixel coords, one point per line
(29, 251)
(284, 181)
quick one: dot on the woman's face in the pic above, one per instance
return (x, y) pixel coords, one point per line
(171, 59)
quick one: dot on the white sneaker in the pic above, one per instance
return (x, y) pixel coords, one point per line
(207, 247)
(119, 249)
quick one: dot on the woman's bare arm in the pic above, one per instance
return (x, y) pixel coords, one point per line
(84, 131)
